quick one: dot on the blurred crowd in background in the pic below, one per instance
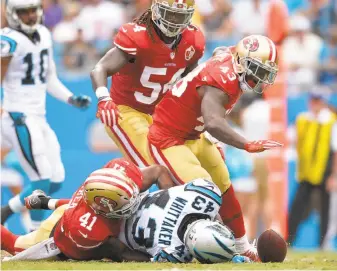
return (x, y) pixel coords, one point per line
(83, 30)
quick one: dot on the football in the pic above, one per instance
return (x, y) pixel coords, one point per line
(271, 247)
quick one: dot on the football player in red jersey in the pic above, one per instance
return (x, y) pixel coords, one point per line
(86, 226)
(200, 102)
(149, 56)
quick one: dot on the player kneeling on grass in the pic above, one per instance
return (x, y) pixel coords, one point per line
(86, 227)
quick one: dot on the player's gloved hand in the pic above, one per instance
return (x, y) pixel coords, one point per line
(34, 201)
(81, 101)
(240, 259)
(107, 111)
(261, 145)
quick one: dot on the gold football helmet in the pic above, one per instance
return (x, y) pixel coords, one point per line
(256, 62)
(172, 16)
(111, 193)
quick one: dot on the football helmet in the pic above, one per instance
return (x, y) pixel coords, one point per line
(111, 193)
(128, 168)
(172, 16)
(255, 61)
(210, 242)
(12, 6)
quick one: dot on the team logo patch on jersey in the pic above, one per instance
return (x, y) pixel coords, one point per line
(251, 44)
(106, 203)
(189, 53)
(172, 55)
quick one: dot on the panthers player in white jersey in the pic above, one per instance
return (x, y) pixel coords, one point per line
(27, 72)
(178, 224)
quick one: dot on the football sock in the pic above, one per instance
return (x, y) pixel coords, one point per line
(15, 204)
(231, 213)
(54, 187)
(242, 244)
(8, 240)
(37, 216)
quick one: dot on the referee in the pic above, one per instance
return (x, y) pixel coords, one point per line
(316, 132)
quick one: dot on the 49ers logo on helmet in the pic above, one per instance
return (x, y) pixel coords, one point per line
(105, 204)
(251, 44)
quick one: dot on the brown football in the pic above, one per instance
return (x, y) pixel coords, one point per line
(271, 247)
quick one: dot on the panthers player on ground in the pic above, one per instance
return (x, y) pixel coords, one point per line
(83, 225)
(27, 71)
(199, 102)
(175, 224)
(150, 54)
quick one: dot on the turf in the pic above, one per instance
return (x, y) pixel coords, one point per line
(294, 261)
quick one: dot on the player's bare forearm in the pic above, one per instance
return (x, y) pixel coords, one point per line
(108, 65)
(334, 165)
(214, 112)
(156, 174)
(4, 66)
(115, 250)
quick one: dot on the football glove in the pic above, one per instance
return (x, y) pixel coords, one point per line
(36, 200)
(107, 111)
(240, 259)
(81, 101)
(261, 145)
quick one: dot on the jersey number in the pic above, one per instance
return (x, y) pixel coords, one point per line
(84, 219)
(156, 87)
(145, 237)
(28, 59)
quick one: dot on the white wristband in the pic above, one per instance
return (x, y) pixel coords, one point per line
(52, 204)
(102, 92)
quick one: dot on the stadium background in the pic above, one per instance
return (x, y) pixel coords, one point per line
(78, 45)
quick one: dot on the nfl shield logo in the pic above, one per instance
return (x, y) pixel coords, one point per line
(172, 55)
(189, 53)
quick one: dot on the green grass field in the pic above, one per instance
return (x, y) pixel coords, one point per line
(294, 261)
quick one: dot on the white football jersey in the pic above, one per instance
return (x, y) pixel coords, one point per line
(158, 226)
(25, 82)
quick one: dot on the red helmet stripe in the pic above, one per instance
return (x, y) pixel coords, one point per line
(108, 173)
(272, 50)
(110, 182)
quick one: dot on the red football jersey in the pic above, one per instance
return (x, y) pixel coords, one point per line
(156, 68)
(177, 117)
(81, 231)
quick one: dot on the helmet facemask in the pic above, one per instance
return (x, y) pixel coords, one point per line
(171, 20)
(255, 75)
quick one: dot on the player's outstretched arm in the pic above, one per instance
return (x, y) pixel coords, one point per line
(60, 91)
(214, 112)
(38, 200)
(115, 250)
(4, 66)
(156, 174)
